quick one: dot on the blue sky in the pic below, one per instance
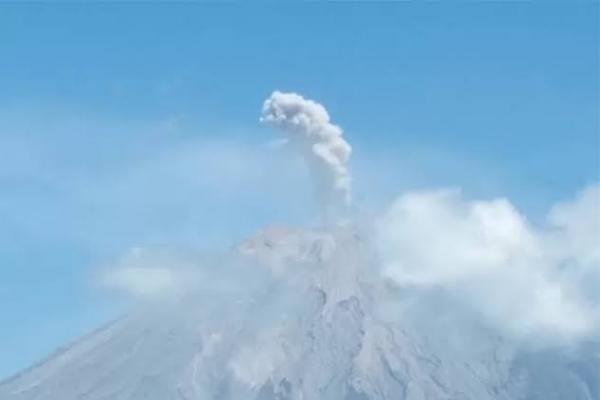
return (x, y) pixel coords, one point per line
(137, 124)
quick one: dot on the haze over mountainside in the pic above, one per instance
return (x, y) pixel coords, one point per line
(437, 297)
(316, 331)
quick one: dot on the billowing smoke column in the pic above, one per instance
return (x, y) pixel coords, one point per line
(309, 129)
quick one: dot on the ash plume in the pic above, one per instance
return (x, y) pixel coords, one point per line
(309, 129)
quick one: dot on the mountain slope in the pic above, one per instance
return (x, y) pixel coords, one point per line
(317, 329)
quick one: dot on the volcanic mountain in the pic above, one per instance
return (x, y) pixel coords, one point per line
(319, 324)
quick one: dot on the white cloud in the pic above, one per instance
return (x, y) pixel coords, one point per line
(578, 226)
(141, 276)
(522, 280)
(142, 281)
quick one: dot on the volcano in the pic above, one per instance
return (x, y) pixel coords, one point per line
(322, 327)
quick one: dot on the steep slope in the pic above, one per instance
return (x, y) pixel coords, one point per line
(317, 329)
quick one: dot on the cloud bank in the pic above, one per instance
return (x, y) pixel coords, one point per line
(321, 143)
(528, 283)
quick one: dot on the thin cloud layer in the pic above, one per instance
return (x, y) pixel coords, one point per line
(145, 275)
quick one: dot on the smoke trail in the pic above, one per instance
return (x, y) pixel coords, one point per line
(320, 142)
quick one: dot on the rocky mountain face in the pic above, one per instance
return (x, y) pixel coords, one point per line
(323, 326)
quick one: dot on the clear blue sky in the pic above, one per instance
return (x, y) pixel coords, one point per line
(135, 124)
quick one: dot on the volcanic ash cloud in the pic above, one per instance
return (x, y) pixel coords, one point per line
(321, 143)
